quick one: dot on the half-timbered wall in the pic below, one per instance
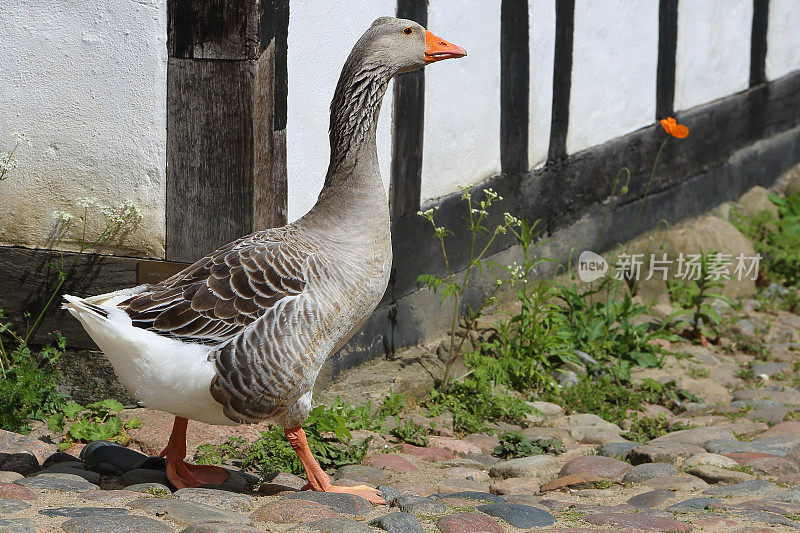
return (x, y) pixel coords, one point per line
(213, 117)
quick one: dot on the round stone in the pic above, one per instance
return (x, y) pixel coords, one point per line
(217, 498)
(521, 516)
(643, 472)
(398, 523)
(468, 523)
(596, 465)
(291, 512)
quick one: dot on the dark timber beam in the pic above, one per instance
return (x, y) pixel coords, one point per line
(514, 85)
(226, 120)
(562, 80)
(667, 44)
(408, 119)
(758, 42)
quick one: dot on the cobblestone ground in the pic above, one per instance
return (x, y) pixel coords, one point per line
(736, 469)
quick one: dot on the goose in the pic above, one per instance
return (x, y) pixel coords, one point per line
(239, 336)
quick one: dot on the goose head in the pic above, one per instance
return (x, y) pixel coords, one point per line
(403, 45)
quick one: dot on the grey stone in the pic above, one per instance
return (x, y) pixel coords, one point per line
(471, 495)
(123, 458)
(398, 522)
(692, 504)
(91, 477)
(117, 524)
(769, 518)
(237, 481)
(143, 475)
(148, 487)
(217, 498)
(646, 471)
(648, 500)
(755, 404)
(10, 505)
(695, 437)
(57, 482)
(79, 512)
(388, 493)
(617, 450)
(17, 525)
(752, 488)
(465, 462)
(521, 516)
(332, 525)
(715, 474)
(221, 528)
(672, 453)
(790, 496)
(410, 503)
(726, 446)
(186, 513)
(337, 502)
(768, 369)
(362, 474)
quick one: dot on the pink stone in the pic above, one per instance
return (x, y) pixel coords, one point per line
(390, 461)
(16, 492)
(292, 512)
(640, 521)
(516, 485)
(468, 523)
(743, 457)
(427, 454)
(596, 465)
(486, 443)
(12, 443)
(458, 447)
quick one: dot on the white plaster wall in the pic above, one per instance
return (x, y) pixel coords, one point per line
(783, 38)
(86, 81)
(462, 98)
(321, 35)
(614, 62)
(542, 34)
(713, 50)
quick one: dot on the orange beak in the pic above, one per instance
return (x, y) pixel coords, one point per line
(437, 49)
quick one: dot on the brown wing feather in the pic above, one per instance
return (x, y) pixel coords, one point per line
(217, 297)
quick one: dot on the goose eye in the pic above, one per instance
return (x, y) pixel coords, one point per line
(408, 31)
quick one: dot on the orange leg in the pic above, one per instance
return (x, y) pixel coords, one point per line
(183, 474)
(318, 480)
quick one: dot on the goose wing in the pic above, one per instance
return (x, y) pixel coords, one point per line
(216, 298)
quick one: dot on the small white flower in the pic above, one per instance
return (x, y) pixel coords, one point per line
(21, 138)
(511, 220)
(86, 203)
(62, 216)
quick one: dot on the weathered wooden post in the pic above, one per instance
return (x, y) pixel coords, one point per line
(226, 122)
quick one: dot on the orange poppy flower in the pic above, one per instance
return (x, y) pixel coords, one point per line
(673, 128)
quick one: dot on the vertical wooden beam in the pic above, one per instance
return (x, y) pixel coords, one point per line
(667, 45)
(562, 80)
(226, 119)
(758, 42)
(514, 85)
(408, 122)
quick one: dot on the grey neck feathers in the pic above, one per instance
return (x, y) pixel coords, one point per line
(354, 113)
